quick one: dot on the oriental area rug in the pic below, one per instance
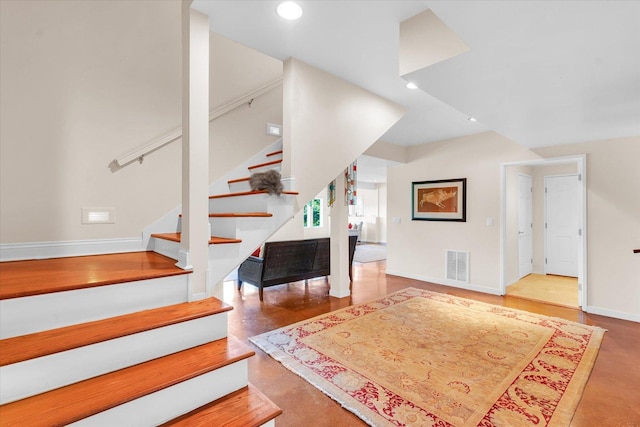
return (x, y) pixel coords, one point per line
(420, 358)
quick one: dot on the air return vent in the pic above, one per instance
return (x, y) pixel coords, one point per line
(458, 266)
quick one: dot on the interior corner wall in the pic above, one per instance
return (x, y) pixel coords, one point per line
(416, 249)
(613, 223)
(328, 123)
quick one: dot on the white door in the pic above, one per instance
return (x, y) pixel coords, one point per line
(561, 222)
(525, 225)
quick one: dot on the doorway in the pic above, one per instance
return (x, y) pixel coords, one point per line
(566, 245)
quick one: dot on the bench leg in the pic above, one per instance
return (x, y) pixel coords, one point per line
(239, 284)
(261, 292)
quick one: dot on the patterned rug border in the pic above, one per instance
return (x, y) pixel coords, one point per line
(570, 398)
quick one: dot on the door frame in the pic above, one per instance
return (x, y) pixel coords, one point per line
(581, 162)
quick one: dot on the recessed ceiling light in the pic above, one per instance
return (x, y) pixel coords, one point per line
(472, 119)
(289, 10)
(412, 85)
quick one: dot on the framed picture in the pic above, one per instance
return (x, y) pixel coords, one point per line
(443, 200)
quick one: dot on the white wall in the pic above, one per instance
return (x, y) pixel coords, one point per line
(82, 83)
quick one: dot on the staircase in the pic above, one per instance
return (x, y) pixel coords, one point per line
(240, 219)
(111, 340)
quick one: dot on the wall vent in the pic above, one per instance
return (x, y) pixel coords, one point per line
(458, 266)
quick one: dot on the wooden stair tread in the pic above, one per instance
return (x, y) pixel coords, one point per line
(214, 240)
(248, 193)
(241, 215)
(247, 407)
(261, 165)
(20, 348)
(36, 277)
(83, 399)
(275, 153)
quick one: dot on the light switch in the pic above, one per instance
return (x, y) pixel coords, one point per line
(490, 222)
(395, 220)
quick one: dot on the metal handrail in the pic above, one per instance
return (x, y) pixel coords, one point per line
(140, 152)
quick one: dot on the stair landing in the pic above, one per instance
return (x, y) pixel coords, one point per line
(36, 277)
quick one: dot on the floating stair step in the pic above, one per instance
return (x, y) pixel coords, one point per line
(249, 193)
(80, 400)
(18, 349)
(214, 240)
(36, 277)
(241, 215)
(275, 153)
(247, 407)
(265, 165)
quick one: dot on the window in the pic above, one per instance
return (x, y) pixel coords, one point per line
(312, 215)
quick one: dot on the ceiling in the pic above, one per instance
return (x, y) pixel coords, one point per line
(538, 72)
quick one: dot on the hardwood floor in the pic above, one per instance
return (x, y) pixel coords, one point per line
(557, 290)
(610, 397)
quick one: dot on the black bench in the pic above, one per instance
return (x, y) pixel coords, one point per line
(290, 261)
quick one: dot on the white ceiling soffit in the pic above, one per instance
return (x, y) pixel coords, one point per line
(543, 73)
(538, 72)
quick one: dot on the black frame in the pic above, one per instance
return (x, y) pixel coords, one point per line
(460, 216)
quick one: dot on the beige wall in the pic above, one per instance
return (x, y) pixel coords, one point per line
(78, 91)
(416, 248)
(613, 223)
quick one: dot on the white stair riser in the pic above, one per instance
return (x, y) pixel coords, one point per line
(165, 247)
(234, 227)
(42, 374)
(171, 402)
(21, 316)
(237, 187)
(249, 203)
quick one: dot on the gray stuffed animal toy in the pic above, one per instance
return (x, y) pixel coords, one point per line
(269, 180)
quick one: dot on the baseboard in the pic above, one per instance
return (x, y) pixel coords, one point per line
(43, 250)
(445, 282)
(612, 313)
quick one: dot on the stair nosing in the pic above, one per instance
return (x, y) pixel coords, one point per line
(175, 237)
(275, 153)
(62, 405)
(21, 348)
(241, 215)
(261, 165)
(212, 409)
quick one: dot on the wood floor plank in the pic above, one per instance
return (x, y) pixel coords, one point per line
(77, 401)
(558, 290)
(247, 407)
(35, 277)
(17, 349)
